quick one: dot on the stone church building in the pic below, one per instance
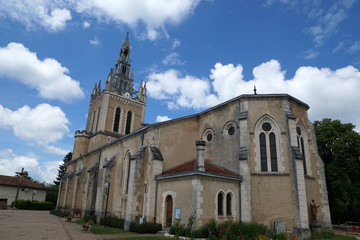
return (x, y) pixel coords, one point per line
(253, 158)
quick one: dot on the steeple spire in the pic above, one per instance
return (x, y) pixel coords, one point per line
(125, 49)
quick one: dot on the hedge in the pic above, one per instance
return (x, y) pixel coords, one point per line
(145, 227)
(113, 222)
(27, 204)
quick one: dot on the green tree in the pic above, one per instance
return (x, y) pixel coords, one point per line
(339, 147)
(62, 168)
(25, 175)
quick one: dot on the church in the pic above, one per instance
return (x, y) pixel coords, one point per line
(253, 158)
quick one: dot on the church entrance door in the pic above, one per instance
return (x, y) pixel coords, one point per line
(168, 210)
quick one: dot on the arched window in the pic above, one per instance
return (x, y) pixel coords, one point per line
(300, 141)
(273, 155)
(116, 120)
(97, 120)
(220, 203)
(123, 70)
(263, 153)
(93, 121)
(228, 204)
(125, 86)
(128, 123)
(267, 133)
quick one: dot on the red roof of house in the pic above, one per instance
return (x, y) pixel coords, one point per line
(190, 167)
(14, 181)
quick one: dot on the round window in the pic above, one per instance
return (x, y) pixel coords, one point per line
(266, 126)
(209, 137)
(231, 130)
(298, 130)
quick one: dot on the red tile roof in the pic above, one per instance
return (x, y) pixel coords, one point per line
(14, 181)
(190, 167)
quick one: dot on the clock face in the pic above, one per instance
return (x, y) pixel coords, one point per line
(127, 95)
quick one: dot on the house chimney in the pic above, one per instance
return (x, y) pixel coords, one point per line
(200, 150)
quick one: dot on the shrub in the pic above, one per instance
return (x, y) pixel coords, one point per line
(90, 217)
(281, 236)
(59, 213)
(145, 227)
(250, 230)
(27, 204)
(178, 228)
(113, 222)
(41, 205)
(322, 235)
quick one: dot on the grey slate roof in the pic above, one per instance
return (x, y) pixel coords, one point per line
(139, 152)
(107, 163)
(156, 154)
(93, 167)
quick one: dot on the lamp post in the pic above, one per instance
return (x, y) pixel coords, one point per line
(21, 174)
(32, 199)
(107, 190)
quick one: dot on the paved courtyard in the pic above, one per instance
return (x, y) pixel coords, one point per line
(39, 225)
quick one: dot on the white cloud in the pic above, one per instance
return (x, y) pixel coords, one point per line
(176, 43)
(326, 17)
(339, 47)
(154, 14)
(95, 41)
(160, 118)
(354, 48)
(54, 150)
(43, 124)
(179, 91)
(311, 54)
(329, 93)
(52, 15)
(172, 59)
(86, 24)
(47, 76)
(11, 162)
(328, 21)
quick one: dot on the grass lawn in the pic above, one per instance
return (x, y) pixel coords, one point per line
(143, 238)
(99, 229)
(342, 237)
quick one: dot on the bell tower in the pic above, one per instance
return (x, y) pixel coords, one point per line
(115, 111)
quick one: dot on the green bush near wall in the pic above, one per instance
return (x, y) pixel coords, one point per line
(29, 205)
(113, 222)
(59, 213)
(145, 227)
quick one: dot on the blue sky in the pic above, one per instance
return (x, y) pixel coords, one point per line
(193, 54)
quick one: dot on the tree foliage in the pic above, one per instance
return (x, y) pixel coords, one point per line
(339, 148)
(62, 168)
(25, 175)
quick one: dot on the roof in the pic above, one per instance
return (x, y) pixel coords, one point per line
(14, 181)
(238, 98)
(209, 168)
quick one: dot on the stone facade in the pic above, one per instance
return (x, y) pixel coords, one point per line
(252, 158)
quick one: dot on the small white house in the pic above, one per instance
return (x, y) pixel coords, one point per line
(28, 190)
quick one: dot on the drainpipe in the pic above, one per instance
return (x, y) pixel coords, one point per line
(240, 201)
(156, 191)
(143, 211)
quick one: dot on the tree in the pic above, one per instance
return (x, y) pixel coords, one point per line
(25, 175)
(62, 168)
(339, 147)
